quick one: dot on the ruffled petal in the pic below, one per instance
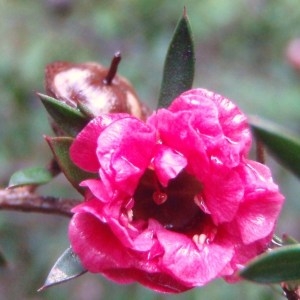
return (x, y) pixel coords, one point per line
(82, 151)
(220, 123)
(101, 252)
(194, 265)
(124, 151)
(167, 163)
(262, 204)
(223, 192)
(98, 189)
(176, 132)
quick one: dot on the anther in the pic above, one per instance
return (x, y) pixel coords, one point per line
(159, 197)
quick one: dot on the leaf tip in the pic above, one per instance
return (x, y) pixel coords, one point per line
(43, 97)
(47, 138)
(67, 267)
(39, 94)
(42, 288)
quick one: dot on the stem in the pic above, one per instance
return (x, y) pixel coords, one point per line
(23, 199)
(112, 69)
(260, 151)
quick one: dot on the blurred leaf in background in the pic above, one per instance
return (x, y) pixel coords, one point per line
(240, 53)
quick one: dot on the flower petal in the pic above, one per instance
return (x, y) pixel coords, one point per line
(98, 189)
(258, 213)
(233, 121)
(223, 192)
(101, 252)
(82, 151)
(175, 131)
(222, 126)
(124, 152)
(184, 260)
(168, 164)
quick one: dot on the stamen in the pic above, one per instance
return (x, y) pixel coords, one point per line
(129, 204)
(130, 215)
(159, 197)
(127, 212)
(199, 201)
(200, 240)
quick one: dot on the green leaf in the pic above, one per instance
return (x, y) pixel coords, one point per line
(69, 119)
(281, 264)
(282, 144)
(30, 176)
(60, 147)
(179, 68)
(67, 267)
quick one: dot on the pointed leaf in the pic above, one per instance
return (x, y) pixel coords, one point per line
(179, 65)
(60, 147)
(67, 267)
(69, 119)
(281, 264)
(30, 176)
(284, 145)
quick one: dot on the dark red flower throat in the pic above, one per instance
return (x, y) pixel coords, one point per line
(174, 206)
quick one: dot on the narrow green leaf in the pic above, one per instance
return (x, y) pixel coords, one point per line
(282, 144)
(69, 119)
(67, 267)
(30, 176)
(179, 68)
(60, 147)
(281, 264)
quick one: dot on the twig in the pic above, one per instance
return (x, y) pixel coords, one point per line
(260, 151)
(22, 199)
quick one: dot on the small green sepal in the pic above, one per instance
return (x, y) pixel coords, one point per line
(67, 118)
(60, 147)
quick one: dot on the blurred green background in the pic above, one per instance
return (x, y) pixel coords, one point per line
(240, 46)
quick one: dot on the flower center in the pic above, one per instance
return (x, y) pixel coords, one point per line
(174, 206)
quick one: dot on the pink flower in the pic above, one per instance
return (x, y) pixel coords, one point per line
(177, 202)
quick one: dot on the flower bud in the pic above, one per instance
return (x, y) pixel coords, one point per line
(293, 53)
(93, 89)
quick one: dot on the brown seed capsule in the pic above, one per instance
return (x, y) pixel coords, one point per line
(93, 89)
